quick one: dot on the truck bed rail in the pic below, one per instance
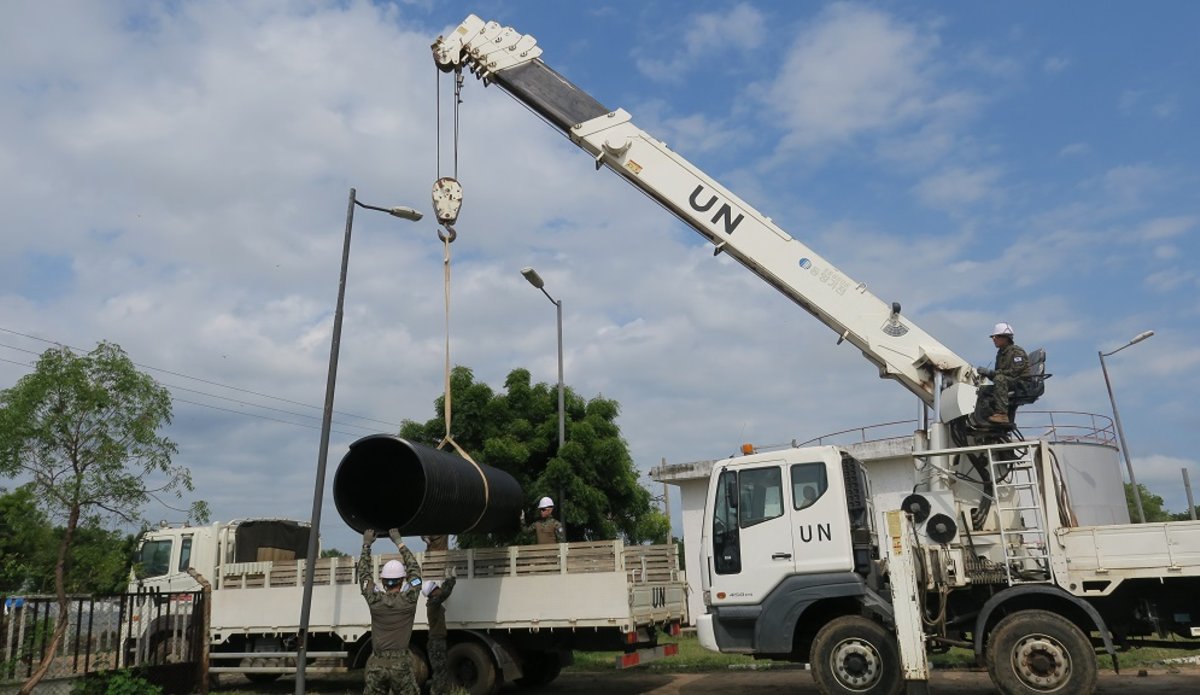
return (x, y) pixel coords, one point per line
(643, 564)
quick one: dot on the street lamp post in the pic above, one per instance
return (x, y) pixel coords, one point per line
(1137, 495)
(310, 563)
(536, 280)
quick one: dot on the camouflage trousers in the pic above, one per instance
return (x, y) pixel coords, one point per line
(993, 398)
(439, 677)
(390, 671)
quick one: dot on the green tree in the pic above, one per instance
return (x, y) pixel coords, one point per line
(99, 558)
(25, 537)
(84, 429)
(1185, 516)
(1152, 505)
(517, 431)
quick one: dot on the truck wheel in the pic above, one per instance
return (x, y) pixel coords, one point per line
(262, 678)
(539, 669)
(855, 655)
(1033, 651)
(420, 664)
(471, 668)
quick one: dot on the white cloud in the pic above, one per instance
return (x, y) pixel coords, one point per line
(1075, 149)
(705, 37)
(1166, 108)
(856, 70)
(1055, 64)
(955, 188)
(1129, 185)
(1161, 228)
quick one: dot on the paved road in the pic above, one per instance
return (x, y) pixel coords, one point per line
(796, 682)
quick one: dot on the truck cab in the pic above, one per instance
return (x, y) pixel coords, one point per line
(166, 553)
(779, 525)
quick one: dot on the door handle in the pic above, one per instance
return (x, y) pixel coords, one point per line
(781, 556)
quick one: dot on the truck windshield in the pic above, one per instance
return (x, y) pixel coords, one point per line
(156, 558)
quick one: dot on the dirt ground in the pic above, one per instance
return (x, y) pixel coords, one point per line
(792, 681)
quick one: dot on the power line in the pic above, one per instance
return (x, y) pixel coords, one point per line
(213, 395)
(176, 399)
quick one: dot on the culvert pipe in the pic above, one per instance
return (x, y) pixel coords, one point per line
(386, 482)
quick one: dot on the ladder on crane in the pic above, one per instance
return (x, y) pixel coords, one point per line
(1021, 513)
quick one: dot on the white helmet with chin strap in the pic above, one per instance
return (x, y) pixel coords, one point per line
(1002, 329)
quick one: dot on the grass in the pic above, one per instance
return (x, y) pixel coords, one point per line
(693, 657)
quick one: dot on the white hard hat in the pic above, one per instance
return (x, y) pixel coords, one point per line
(428, 587)
(392, 569)
(1002, 329)
(545, 502)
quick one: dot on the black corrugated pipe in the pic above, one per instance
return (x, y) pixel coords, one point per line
(387, 482)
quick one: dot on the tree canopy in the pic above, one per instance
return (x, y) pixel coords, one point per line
(84, 430)
(1152, 505)
(517, 431)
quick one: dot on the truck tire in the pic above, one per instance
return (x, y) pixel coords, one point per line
(539, 669)
(1033, 652)
(262, 678)
(471, 668)
(853, 655)
(420, 664)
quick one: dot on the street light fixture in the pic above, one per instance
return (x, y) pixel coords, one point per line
(1137, 495)
(310, 563)
(536, 280)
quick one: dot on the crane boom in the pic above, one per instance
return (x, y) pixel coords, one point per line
(896, 346)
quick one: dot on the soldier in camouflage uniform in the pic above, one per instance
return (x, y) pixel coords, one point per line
(547, 529)
(392, 611)
(436, 595)
(436, 542)
(1012, 365)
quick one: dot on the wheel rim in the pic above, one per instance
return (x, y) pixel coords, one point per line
(1042, 662)
(856, 664)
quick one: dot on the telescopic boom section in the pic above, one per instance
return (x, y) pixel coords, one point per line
(900, 349)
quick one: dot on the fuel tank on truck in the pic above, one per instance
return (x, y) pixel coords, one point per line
(386, 482)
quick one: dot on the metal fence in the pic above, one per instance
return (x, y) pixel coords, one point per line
(157, 635)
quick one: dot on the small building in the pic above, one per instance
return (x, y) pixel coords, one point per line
(1084, 446)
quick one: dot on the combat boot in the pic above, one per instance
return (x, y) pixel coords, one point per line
(998, 419)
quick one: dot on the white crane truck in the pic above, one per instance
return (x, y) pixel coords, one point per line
(801, 559)
(516, 614)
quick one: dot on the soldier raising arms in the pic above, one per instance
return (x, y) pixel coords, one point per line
(393, 609)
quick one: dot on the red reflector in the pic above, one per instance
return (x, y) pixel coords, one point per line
(631, 637)
(630, 660)
(675, 630)
(670, 649)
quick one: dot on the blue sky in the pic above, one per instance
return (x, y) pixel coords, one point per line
(176, 178)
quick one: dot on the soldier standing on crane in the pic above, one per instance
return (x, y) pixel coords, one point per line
(393, 609)
(1012, 365)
